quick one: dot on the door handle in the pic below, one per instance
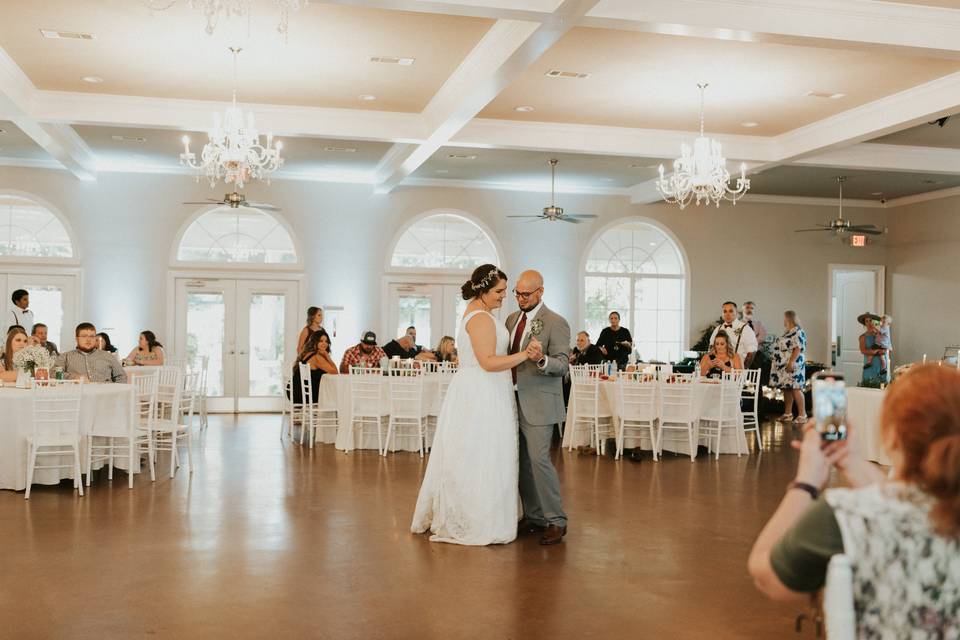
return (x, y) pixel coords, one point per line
(230, 353)
(243, 353)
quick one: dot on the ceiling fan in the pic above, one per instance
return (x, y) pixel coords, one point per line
(236, 200)
(554, 212)
(841, 225)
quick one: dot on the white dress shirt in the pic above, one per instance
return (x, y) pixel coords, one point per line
(748, 339)
(22, 317)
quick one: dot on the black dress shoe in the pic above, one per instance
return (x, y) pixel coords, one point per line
(526, 527)
(553, 535)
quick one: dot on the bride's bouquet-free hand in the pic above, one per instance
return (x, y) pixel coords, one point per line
(31, 358)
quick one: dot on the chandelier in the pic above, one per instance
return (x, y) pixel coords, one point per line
(213, 10)
(234, 152)
(700, 174)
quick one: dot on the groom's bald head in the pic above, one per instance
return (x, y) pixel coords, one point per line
(529, 289)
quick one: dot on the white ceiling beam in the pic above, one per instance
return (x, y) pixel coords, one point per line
(861, 24)
(501, 56)
(60, 141)
(529, 10)
(887, 157)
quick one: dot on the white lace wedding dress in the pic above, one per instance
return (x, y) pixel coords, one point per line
(469, 493)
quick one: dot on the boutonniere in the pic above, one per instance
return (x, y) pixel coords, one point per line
(536, 327)
(739, 331)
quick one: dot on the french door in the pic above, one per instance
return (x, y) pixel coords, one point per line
(854, 290)
(54, 300)
(434, 309)
(247, 329)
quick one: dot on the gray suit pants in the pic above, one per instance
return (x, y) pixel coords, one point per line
(539, 483)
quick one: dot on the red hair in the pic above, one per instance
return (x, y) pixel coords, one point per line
(922, 413)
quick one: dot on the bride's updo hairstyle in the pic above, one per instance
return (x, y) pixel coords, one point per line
(484, 278)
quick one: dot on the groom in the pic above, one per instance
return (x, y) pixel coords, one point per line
(539, 387)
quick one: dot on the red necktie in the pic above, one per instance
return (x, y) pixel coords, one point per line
(517, 338)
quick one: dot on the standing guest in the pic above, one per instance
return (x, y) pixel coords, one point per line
(584, 352)
(104, 344)
(148, 352)
(314, 323)
(615, 342)
(447, 350)
(89, 363)
(789, 367)
(742, 337)
(19, 314)
(900, 530)
(884, 342)
(721, 358)
(869, 348)
(40, 334)
(16, 339)
(364, 354)
(316, 355)
(749, 316)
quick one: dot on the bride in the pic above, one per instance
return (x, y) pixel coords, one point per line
(469, 493)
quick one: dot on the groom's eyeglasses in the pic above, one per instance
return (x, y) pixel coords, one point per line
(523, 295)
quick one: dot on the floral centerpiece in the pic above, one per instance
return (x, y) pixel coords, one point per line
(31, 358)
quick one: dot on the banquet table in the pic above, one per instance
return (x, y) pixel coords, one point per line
(109, 406)
(334, 394)
(863, 413)
(706, 395)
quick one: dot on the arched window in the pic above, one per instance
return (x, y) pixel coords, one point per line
(443, 241)
(28, 229)
(637, 269)
(243, 235)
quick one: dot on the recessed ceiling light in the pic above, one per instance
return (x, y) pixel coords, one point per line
(457, 156)
(366, 97)
(653, 244)
(749, 124)
(53, 34)
(443, 170)
(92, 79)
(558, 73)
(341, 149)
(120, 138)
(523, 109)
(824, 94)
(877, 193)
(3, 131)
(404, 62)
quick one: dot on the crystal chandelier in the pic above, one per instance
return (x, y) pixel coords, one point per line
(700, 174)
(234, 152)
(213, 10)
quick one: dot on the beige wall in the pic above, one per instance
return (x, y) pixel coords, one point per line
(125, 224)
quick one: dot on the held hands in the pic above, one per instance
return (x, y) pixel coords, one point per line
(534, 350)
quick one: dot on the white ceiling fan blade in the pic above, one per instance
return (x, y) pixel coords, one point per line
(539, 216)
(260, 205)
(805, 230)
(580, 216)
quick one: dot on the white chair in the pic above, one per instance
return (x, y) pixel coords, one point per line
(662, 371)
(365, 407)
(56, 430)
(146, 388)
(638, 408)
(110, 444)
(585, 398)
(167, 431)
(202, 390)
(725, 414)
(406, 407)
(839, 611)
(445, 378)
(430, 366)
(678, 411)
(751, 394)
(190, 400)
(314, 417)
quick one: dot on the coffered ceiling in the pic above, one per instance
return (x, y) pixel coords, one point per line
(800, 91)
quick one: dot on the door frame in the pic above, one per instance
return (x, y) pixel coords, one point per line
(411, 278)
(880, 272)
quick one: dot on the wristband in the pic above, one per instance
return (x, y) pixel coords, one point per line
(808, 488)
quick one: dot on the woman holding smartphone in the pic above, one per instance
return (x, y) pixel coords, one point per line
(721, 358)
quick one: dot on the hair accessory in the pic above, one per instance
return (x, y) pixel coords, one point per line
(486, 281)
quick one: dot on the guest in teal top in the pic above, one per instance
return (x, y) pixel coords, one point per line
(868, 339)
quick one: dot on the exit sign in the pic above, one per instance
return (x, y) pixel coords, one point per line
(858, 240)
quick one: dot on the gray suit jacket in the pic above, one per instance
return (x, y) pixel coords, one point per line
(540, 391)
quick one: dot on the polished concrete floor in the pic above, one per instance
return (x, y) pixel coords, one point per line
(272, 540)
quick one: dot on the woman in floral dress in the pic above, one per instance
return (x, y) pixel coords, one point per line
(789, 371)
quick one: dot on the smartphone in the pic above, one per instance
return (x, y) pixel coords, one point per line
(830, 405)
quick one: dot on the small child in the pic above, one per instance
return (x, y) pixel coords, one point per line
(882, 341)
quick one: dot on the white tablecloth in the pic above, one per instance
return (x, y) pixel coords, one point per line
(109, 406)
(863, 412)
(335, 393)
(706, 395)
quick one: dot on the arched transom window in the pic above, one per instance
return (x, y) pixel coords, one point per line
(443, 241)
(242, 235)
(637, 269)
(28, 229)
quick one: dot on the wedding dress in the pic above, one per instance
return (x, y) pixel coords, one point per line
(469, 493)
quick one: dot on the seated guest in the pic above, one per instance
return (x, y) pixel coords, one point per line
(615, 342)
(721, 358)
(315, 354)
(406, 349)
(314, 323)
(364, 354)
(742, 339)
(40, 334)
(446, 351)
(412, 334)
(148, 352)
(900, 530)
(584, 352)
(104, 344)
(16, 339)
(89, 363)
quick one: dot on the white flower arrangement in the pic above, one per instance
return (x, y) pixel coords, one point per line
(536, 327)
(31, 358)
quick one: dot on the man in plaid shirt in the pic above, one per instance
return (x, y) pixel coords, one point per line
(364, 354)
